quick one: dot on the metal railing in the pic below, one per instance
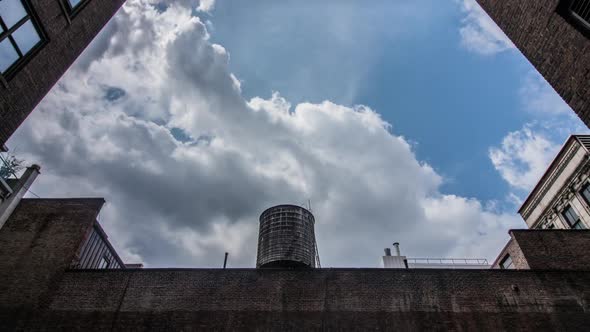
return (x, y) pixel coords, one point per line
(581, 8)
(449, 261)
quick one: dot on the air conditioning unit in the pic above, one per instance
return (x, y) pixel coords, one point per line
(5, 190)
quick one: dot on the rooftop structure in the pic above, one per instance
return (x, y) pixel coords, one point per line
(397, 261)
(48, 283)
(286, 238)
(13, 189)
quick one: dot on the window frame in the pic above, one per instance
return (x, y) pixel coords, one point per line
(577, 222)
(72, 11)
(564, 9)
(23, 59)
(581, 191)
(503, 262)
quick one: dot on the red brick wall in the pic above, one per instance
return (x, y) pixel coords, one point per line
(66, 42)
(559, 51)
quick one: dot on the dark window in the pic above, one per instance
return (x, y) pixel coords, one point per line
(572, 218)
(74, 6)
(576, 12)
(20, 34)
(506, 263)
(585, 192)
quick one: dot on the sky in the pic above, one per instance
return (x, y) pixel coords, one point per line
(416, 122)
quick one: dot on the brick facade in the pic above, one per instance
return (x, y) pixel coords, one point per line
(559, 50)
(65, 42)
(555, 249)
(41, 291)
(38, 243)
(548, 249)
(317, 299)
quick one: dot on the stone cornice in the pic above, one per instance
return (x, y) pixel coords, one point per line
(548, 181)
(566, 192)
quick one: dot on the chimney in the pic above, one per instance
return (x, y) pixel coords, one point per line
(396, 247)
(19, 189)
(387, 252)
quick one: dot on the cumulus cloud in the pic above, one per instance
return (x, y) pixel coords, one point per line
(479, 33)
(156, 123)
(525, 154)
(523, 157)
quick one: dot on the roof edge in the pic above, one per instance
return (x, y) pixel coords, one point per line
(547, 171)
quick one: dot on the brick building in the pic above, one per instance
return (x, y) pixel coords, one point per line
(39, 40)
(554, 35)
(47, 285)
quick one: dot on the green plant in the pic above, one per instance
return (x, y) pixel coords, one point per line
(10, 166)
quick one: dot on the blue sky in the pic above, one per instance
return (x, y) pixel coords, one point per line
(416, 122)
(404, 60)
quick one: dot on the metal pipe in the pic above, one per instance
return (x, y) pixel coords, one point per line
(387, 252)
(396, 247)
(225, 260)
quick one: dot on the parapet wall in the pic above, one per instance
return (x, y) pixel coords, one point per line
(38, 243)
(327, 299)
(555, 249)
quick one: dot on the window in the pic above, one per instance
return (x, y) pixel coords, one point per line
(73, 6)
(572, 218)
(577, 12)
(19, 34)
(585, 192)
(506, 263)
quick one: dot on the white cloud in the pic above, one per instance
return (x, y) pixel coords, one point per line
(105, 130)
(479, 33)
(206, 5)
(523, 157)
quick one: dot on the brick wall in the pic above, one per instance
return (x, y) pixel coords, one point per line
(559, 51)
(327, 299)
(66, 42)
(39, 292)
(513, 249)
(38, 243)
(555, 249)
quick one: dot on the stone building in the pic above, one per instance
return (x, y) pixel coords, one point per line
(554, 36)
(39, 40)
(561, 198)
(47, 283)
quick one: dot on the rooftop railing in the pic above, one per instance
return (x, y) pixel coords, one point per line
(449, 261)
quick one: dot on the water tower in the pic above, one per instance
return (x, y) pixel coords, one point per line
(287, 238)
